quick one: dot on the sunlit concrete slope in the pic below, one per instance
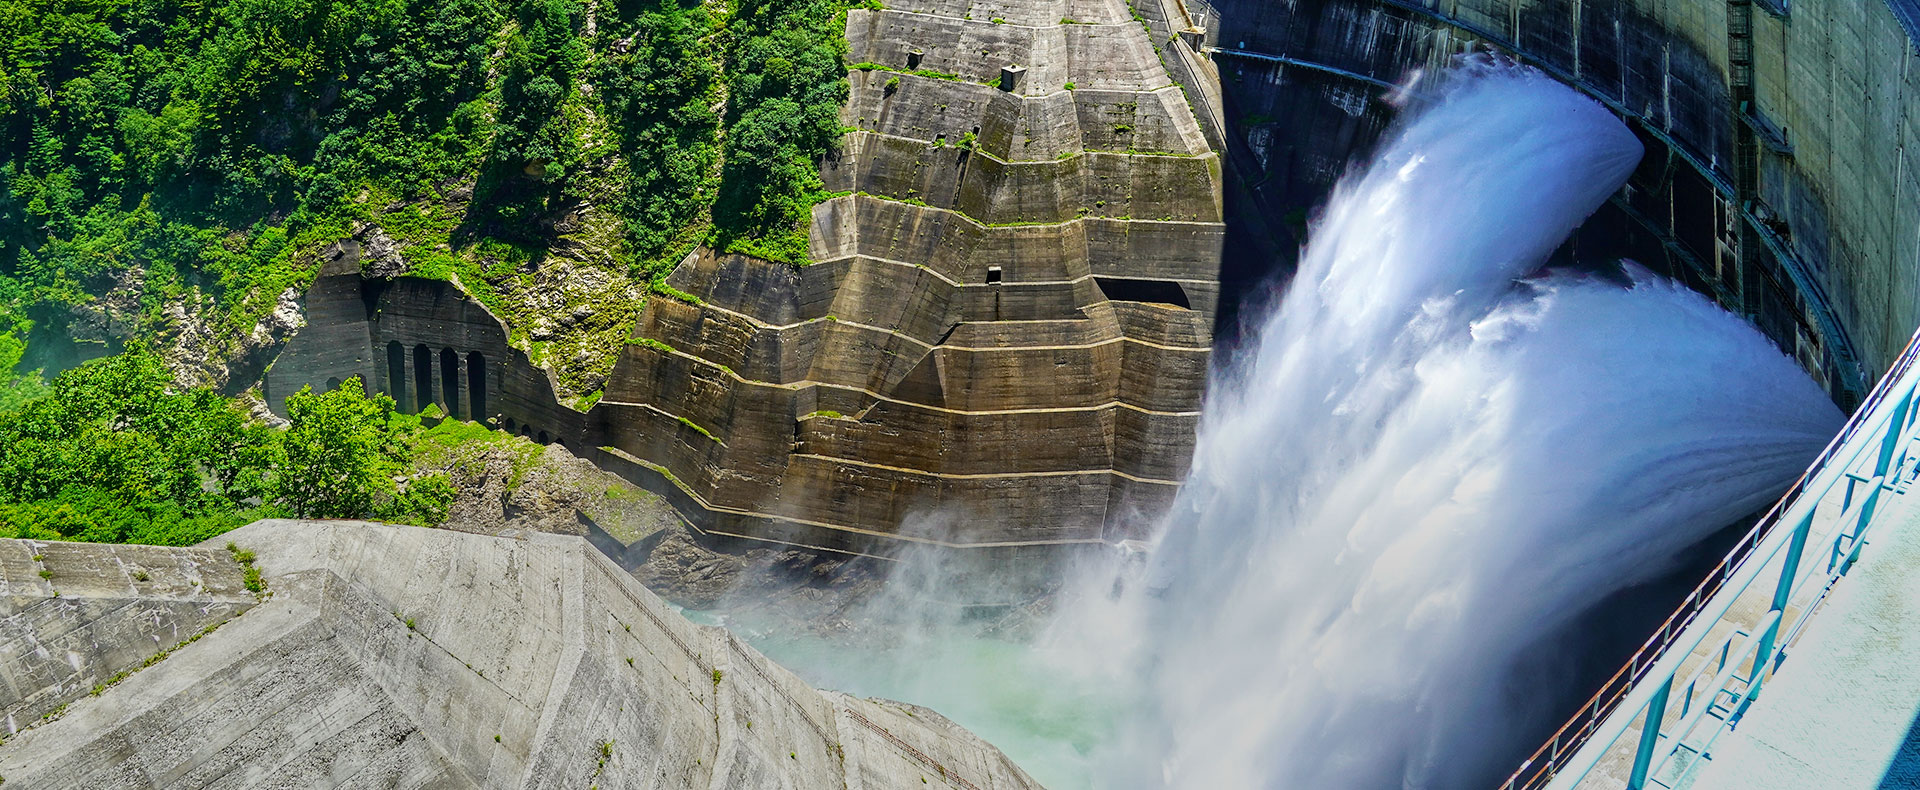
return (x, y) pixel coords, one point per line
(1843, 711)
(401, 657)
(75, 615)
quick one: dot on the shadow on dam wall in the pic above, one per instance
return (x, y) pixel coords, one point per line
(1295, 127)
(1762, 240)
(426, 343)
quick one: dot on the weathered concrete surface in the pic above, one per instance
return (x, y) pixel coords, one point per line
(1009, 319)
(74, 615)
(1840, 713)
(1812, 177)
(405, 657)
(1007, 322)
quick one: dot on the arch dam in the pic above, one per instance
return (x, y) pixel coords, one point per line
(1018, 331)
(1779, 180)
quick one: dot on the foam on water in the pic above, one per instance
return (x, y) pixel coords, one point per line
(1420, 467)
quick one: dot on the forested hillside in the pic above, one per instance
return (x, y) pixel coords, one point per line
(169, 169)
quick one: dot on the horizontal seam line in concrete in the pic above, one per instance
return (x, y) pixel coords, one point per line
(991, 23)
(664, 412)
(702, 500)
(1026, 97)
(990, 475)
(957, 79)
(1071, 155)
(1083, 346)
(1007, 225)
(958, 284)
(877, 396)
(973, 349)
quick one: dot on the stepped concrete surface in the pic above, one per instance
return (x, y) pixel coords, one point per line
(1007, 320)
(384, 656)
(1843, 711)
(77, 614)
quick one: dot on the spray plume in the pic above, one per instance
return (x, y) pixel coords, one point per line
(1431, 458)
(1424, 465)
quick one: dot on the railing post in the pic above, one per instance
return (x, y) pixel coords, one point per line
(1895, 428)
(1649, 735)
(1860, 527)
(1782, 593)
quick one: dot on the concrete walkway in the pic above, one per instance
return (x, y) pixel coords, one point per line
(1841, 712)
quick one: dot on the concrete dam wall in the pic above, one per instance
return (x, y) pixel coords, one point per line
(1778, 178)
(1006, 327)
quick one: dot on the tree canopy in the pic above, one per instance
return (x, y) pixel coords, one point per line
(115, 452)
(200, 152)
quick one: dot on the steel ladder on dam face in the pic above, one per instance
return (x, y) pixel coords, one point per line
(1653, 721)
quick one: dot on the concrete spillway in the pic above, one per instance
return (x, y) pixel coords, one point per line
(403, 657)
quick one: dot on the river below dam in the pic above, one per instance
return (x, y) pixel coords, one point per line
(1428, 463)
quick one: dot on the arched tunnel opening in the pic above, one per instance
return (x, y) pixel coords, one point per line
(450, 382)
(397, 377)
(477, 385)
(422, 376)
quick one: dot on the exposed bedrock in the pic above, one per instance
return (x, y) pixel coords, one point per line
(1005, 330)
(404, 657)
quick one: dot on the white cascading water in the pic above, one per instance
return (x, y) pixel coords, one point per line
(1430, 458)
(1422, 465)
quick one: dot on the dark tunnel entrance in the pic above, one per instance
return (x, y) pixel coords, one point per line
(397, 377)
(422, 377)
(477, 385)
(450, 382)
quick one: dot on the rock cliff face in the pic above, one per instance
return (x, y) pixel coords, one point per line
(1005, 330)
(404, 657)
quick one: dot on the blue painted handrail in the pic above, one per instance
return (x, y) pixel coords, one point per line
(1865, 459)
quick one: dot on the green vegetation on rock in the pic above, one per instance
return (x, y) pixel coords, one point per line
(172, 171)
(116, 452)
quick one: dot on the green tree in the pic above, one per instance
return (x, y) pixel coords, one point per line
(660, 91)
(422, 501)
(536, 145)
(786, 82)
(115, 451)
(340, 452)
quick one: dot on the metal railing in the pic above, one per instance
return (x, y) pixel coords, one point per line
(1868, 451)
